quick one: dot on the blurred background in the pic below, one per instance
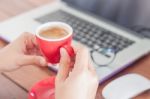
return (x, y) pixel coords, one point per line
(9, 8)
(133, 14)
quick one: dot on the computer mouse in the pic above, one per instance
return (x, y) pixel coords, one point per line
(126, 87)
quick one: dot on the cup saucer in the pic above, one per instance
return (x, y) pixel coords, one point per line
(44, 89)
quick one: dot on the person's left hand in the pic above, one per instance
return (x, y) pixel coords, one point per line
(21, 52)
(79, 81)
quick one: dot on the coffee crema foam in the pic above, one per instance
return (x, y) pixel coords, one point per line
(54, 33)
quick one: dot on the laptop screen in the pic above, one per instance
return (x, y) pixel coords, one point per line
(132, 14)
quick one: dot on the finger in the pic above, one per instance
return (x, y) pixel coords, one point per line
(91, 67)
(81, 61)
(34, 52)
(77, 47)
(29, 36)
(32, 60)
(92, 70)
(30, 40)
(31, 44)
(63, 71)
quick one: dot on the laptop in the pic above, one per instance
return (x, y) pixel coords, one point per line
(90, 29)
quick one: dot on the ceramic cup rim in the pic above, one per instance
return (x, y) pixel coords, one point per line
(47, 25)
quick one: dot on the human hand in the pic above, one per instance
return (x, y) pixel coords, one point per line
(21, 52)
(79, 82)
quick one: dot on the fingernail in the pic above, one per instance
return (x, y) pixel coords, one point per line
(43, 62)
(62, 51)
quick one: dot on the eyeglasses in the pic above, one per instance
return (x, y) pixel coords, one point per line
(103, 56)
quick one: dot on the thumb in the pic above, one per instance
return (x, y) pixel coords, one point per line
(63, 71)
(32, 60)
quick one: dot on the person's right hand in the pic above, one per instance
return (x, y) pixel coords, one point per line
(81, 82)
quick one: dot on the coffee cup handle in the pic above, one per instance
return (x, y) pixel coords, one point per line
(70, 50)
(71, 53)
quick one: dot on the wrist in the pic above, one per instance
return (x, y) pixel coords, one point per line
(2, 60)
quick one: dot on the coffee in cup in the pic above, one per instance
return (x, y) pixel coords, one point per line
(54, 33)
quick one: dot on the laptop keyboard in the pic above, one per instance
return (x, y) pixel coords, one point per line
(88, 33)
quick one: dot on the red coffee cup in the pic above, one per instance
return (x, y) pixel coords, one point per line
(51, 47)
